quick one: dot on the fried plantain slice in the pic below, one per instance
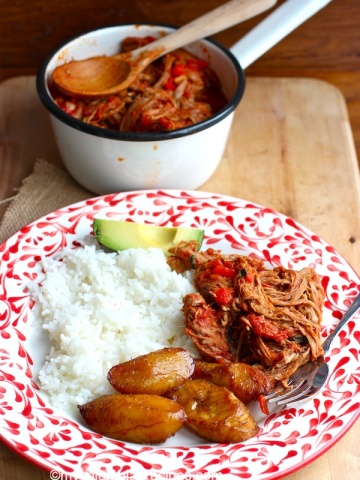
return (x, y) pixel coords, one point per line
(214, 412)
(245, 381)
(154, 373)
(145, 419)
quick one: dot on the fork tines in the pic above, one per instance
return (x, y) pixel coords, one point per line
(290, 395)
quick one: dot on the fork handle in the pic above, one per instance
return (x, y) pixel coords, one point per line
(347, 316)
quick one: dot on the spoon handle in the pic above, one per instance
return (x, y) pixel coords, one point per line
(225, 16)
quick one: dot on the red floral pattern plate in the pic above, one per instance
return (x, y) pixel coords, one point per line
(289, 437)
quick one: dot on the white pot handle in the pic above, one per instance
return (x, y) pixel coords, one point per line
(274, 28)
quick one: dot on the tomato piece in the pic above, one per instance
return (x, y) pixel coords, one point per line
(170, 84)
(249, 277)
(224, 271)
(178, 70)
(215, 262)
(263, 405)
(165, 123)
(146, 120)
(224, 296)
(265, 328)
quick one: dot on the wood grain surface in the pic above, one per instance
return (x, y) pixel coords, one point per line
(327, 46)
(290, 148)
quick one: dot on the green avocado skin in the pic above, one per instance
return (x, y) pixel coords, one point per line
(120, 235)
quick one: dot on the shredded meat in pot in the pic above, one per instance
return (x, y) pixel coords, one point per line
(244, 312)
(175, 91)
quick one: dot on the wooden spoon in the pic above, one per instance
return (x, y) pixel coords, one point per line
(106, 75)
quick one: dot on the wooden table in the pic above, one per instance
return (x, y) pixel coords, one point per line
(291, 148)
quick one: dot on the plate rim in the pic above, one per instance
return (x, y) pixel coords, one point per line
(188, 194)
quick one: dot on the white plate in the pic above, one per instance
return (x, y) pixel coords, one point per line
(289, 437)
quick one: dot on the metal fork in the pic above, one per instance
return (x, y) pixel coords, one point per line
(310, 377)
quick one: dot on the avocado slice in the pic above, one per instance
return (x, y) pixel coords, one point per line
(119, 235)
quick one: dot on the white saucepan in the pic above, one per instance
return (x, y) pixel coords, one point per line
(106, 161)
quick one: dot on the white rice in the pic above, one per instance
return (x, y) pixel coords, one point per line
(100, 309)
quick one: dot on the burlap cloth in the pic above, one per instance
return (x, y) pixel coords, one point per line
(46, 189)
